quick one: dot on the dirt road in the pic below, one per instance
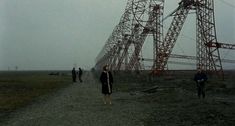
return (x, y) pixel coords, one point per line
(81, 104)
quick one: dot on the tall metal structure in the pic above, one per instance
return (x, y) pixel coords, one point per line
(143, 18)
(140, 19)
(149, 26)
(209, 56)
(180, 15)
(116, 41)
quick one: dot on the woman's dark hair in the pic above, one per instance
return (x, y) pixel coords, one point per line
(104, 67)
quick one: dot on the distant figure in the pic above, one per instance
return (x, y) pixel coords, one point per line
(200, 78)
(74, 74)
(80, 74)
(106, 79)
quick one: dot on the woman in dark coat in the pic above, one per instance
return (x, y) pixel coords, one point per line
(106, 79)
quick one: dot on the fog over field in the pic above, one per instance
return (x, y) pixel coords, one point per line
(57, 34)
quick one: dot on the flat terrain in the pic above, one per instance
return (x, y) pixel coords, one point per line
(137, 101)
(19, 89)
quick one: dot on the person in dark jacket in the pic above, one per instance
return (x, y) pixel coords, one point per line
(80, 74)
(106, 79)
(200, 78)
(74, 74)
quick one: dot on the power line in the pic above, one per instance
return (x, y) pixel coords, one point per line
(227, 3)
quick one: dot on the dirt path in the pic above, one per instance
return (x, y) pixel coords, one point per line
(81, 105)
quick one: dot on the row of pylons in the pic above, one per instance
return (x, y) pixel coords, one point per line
(142, 18)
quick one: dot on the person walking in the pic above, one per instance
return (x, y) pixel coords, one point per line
(200, 78)
(80, 74)
(74, 74)
(106, 79)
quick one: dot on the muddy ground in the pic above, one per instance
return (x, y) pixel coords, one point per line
(138, 100)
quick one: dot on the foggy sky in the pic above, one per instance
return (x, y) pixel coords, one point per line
(56, 34)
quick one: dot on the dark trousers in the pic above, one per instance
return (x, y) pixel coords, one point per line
(80, 78)
(201, 89)
(74, 78)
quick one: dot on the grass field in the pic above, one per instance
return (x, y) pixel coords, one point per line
(18, 89)
(175, 101)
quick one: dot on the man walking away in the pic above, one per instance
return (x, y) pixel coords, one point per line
(80, 74)
(74, 74)
(200, 78)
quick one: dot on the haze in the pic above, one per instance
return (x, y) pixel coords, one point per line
(60, 34)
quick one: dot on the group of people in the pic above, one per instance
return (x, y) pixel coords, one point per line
(106, 80)
(75, 74)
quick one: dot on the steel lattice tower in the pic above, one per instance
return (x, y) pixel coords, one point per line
(145, 17)
(148, 15)
(208, 56)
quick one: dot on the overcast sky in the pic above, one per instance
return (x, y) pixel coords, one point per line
(56, 34)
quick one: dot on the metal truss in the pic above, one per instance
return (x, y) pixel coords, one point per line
(141, 18)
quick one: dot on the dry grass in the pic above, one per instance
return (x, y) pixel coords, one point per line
(18, 89)
(175, 102)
